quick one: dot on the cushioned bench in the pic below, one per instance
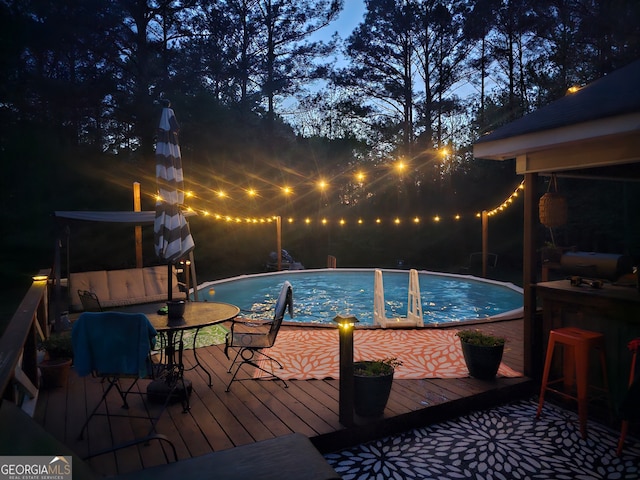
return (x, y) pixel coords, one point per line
(117, 288)
(290, 457)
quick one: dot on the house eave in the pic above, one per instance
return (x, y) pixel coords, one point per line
(606, 129)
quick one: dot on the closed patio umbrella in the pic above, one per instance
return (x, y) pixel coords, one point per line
(172, 237)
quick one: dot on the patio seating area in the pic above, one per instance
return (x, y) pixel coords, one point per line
(262, 410)
(258, 410)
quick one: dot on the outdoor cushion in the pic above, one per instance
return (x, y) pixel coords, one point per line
(156, 281)
(130, 286)
(289, 457)
(126, 284)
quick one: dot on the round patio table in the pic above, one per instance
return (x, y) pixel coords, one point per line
(196, 316)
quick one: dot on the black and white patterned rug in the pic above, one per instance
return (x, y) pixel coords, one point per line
(502, 443)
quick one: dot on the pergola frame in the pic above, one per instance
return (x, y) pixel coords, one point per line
(590, 133)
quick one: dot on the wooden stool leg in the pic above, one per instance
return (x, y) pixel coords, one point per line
(545, 375)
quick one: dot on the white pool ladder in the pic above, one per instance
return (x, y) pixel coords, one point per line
(414, 303)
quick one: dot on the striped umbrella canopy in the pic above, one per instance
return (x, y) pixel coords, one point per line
(172, 237)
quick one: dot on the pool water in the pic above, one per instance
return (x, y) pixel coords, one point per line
(320, 295)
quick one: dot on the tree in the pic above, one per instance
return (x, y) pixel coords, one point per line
(441, 48)
(143, 38)
(382, 61)
(286, 60)
(610, 33)
(479, 22)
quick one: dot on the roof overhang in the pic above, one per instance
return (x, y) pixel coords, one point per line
(608, 141)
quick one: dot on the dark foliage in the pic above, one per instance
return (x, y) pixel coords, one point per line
(79, 105)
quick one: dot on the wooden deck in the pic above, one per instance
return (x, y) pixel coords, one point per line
(258, 410)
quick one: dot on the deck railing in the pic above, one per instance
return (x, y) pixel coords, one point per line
(19, 342)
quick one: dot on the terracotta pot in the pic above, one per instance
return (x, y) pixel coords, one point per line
(54, 373)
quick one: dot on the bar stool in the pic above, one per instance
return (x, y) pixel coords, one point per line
(631, 401)
(577, 343)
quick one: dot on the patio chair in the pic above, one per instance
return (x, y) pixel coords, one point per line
(89, 300)
(114, 346)
(251, 337)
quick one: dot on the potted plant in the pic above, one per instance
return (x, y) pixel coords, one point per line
(54, 369)
(550, 253)
(372, 381)
(482, 353)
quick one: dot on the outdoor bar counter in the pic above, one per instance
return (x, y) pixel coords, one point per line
(612, 310)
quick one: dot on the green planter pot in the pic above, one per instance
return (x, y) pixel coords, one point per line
(371, 393)
(482, 362)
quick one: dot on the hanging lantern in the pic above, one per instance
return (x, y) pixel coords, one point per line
(552, 208)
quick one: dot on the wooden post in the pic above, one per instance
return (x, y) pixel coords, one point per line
(279, 241)
(533, 334)
(485, 242)
(187, 273)
(137, 207)
(345, 384)
(194, 278)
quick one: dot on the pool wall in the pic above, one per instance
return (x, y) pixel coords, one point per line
(507, 315)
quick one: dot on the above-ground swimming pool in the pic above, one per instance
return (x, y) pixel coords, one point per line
(320, 295)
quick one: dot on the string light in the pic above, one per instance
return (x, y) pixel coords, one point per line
(397, 220)
(507, 202)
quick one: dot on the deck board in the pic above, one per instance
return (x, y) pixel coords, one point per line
(256, 410)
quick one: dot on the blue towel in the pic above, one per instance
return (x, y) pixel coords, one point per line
(112, 343)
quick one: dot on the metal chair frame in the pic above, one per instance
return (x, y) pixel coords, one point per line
(114, 380)
(255, 337)
(90, 301)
